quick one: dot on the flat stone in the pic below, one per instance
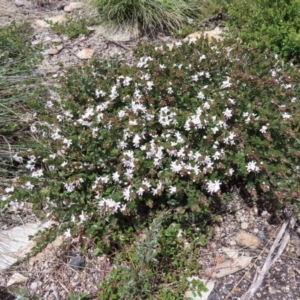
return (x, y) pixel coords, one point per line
(29, 4)
(33, 285)
(212, 34)
(16, 278)
(249, 240)
(244, 225)
(72, 6)
(85, 53)
(19, 3)
(56, 40)
(54, 51)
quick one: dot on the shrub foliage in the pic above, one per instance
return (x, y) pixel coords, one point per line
(268, 24)
(180, 129)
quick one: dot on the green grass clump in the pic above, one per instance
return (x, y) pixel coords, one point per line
(153, 15)
(74, 27)
(268, 24)
(18, 81)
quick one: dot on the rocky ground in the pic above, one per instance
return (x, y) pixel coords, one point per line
(245, 234)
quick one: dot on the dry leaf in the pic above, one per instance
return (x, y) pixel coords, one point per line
(231, 253)
(228, 267)
(218, 259)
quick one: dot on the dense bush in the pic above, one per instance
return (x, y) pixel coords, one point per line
(181, 130)
(177, 130)
(268, 24)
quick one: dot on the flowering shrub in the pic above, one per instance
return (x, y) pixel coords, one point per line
(178, 130)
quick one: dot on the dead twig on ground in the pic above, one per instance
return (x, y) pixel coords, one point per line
(118, 44)
(281, 241)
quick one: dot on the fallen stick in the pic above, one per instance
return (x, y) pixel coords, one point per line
(282, 240)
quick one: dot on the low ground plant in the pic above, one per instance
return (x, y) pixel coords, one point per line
(73, 27)
(267, 24)
(180, 131)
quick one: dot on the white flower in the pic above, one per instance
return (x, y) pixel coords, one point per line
(127, 80)
(9, 189)
(82, 217)
(136, 140)
(227, 113)
(195, 77)
(215, 129)
(17, 158)
(70, 187)
(216, 155)
(67, 233)
(232, 101)
(116, 177)
(64, 164)
(226, 83)
(59, 118)
(176, 167)
(67, 142)
(169, 90)
(49, 104)
(172, 189)
(286, 116)
(114, 93)
(150, 84)
(33, 128)
(162, 66)
(231, 171)
(109, 205)
(28, 185)
(293, 100)
(263, 129)
(122, 145)
(213, 187)
(251, 166)
(38, 173)
(100, 93)
(202, 57)
(201, 96)
(140, 191)
(126, 193)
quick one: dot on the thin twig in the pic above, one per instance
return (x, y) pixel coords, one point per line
(282, 240)
(118, 44)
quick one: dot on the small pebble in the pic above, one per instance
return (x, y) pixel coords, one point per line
(77, 262)
(33, 286)
(244, 225)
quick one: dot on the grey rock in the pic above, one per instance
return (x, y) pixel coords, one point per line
(213, 296)
(77, 263)
(262, 237)
(19, 3)
(225, 291)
